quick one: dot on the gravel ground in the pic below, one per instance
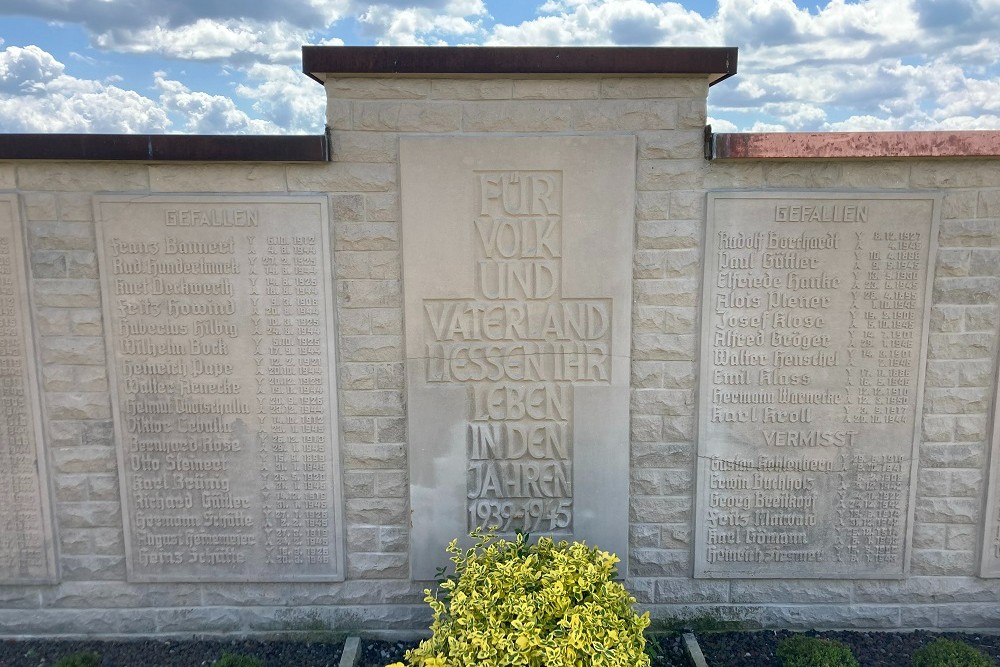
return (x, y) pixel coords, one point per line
(872, 649)
(156, 653)
(375, 653)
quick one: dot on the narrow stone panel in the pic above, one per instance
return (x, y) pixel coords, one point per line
(989, 564)
(814, 330)
(27, 553)
(517, 259)
(220, 344)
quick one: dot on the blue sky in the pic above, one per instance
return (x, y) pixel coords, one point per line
(233, 66)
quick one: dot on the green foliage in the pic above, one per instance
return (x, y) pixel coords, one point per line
(82, 659)
(950, 653)
(237, 660)
(805, 651)
(550, 604)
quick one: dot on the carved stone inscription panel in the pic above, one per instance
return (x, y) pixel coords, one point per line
(219, 319)
(814, 326)
(517, 309)
(26, 542)
(990, 554)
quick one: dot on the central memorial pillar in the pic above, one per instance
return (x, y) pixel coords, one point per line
(517, 272)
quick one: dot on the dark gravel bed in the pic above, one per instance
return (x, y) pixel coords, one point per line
(872, 649)
(161, 653)
(669, 650)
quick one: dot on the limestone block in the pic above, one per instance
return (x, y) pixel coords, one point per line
(372, 348)
(734, 175)
(256, 178)
(387, 321)
(393, 539)
(803, 174)
(652, 205)
(74, 542)
(372, 403)
(64, 433)
(109, 595)
(646, 428)
(941, 562)
(676, 402)
(391, 429)
(99, 433)
(947, 510)
(385, 265)
(523, 116)
(339, 114)
(72, 350)
(367, 236)
(407, 116)
(381, 455)
(947, 318)
(959, 204)
(938, 428)
(687, 205)
(928, 590)
(646, 374)
(67, 293)
(648, 264)
(391, 484)
(934, 482)
(79, 405)
(390, 376)
(382, 207)
(659, 509)
(960, 345)
(661, 482)
(81, 264)
(952, 262)
(966, 483)
(82, 177)
(643, 87)
(664, 347)
(75, 207)
(378, 511)
(8, 177)
(878, 174)
(70, 378)
(39, 206)
(86, 322)
(341, 177)
(358, 429)
(108, 541)
(929, 535)
(956, 401)
(969, 616)
(82, 460)
(378, 89)
(472, 89)
(692, 114)
(684, 263)
(362, 538)
(88, 514)
(675, 536)
(683, 590)
(988, 204)
(952, 455)
(103, 487)
(679, 320)
(52, 321)
(671, 174)
(659, 563)
(669, 234)
(667, 292)
(626, 115)
(48, 264)
(556, 89)
(671, 144)
(352, 264)
(71, 488)
(791, 591)
(347, 146)
(970, 428)
(60, 236)
(985, 262)
(941, 374)
(347, 208)
(368, 293)
(966, 173)
(679, 375)
(831, 616)
(961, 538)
(354, 322)
(969, 233)
(357, 376)
(980, 318)
(359, 484)
(644, 535)
(974, 374)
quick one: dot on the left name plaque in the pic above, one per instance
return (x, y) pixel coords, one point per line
(26, 543)
(220, 323)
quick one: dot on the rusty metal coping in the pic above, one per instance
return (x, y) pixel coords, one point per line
(856, 145)
(321, 62)
(164, 147)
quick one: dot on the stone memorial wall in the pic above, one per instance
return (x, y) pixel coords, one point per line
(225, 410)
(814, 324)
(26, 545)
(262, 392)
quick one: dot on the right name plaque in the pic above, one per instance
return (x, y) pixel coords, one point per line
(814, 328)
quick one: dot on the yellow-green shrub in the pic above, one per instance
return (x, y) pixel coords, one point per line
(550, 604)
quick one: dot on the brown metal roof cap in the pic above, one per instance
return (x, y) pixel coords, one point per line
(717, 63)
(164, 147)
(827, 145)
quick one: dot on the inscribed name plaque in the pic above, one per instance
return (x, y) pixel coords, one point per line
(219, 329)
(26, 541)
(989, 563)
(814, 327)
(517, 260)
